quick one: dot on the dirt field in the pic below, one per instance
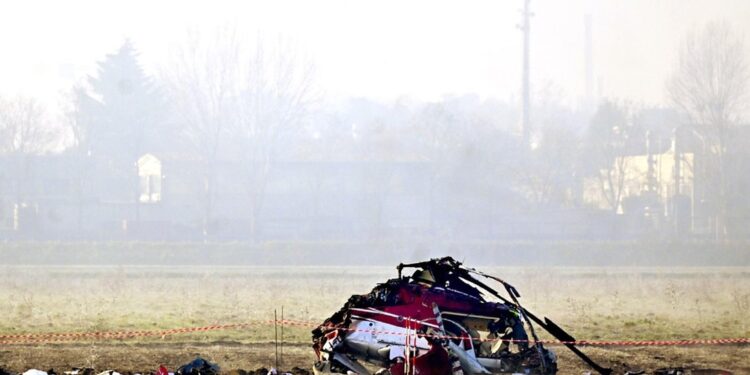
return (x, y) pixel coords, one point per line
(593, 303)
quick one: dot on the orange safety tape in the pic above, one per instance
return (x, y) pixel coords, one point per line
(72, 336)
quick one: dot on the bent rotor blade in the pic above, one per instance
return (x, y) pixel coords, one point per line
(549, 326)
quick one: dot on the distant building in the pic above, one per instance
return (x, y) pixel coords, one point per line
(661, 176)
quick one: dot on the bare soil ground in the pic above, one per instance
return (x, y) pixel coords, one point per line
(145, 357)
(594, 304)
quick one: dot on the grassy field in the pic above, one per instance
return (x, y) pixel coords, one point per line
(592, 303)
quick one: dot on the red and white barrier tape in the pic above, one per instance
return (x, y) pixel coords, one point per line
(40, 338)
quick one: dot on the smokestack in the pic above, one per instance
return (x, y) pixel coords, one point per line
(589, 63)
(526, 95)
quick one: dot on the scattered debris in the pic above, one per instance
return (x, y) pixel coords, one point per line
(80, 371)
(325, 367)
(39, 372)
(199, 366)
(265, 371)
(689, 371)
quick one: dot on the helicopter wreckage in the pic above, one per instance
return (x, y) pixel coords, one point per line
(438, 321)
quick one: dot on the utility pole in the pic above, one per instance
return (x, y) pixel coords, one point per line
(526, 29)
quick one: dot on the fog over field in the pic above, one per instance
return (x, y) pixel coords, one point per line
(183, 164)
(424, 122)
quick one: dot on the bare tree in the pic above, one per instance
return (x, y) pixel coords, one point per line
(546, 172)
(238, 100)
(546, 176)
(275, 99)
(22, 127)
(709, 87)
(609, 135)
(78, 109)
(202, 87)
(23, 132)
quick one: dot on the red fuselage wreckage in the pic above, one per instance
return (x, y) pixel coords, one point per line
(437, 321)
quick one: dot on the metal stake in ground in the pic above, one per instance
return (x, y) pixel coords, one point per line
(281, 359)
(276, 339)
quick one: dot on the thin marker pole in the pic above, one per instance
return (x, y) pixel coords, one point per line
(282, 335)
(276, 339)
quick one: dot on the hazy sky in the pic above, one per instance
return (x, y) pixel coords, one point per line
(380, 49)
